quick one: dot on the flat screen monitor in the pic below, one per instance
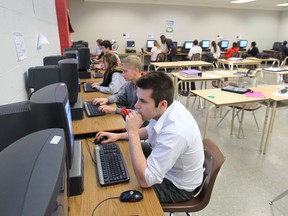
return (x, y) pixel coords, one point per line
(188, 45)
(150, 44)
(50, 109)
(130, 44)
(205, 44)
(224, 44)
(33, 175)
(242, 44)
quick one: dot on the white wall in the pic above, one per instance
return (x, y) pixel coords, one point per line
(29, 18)
(283, 32)
(108, 21)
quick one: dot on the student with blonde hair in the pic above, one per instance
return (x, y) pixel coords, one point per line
(155, 51)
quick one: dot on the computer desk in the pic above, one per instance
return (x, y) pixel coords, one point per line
(91, 125)
(84, 204)
(223, 98)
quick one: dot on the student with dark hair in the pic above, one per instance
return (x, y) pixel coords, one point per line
(253, 50)
(172, 160)
(171, 49)
(214, 53)
(194, 50)
(283, 49)
(231, 50)
(113, 79)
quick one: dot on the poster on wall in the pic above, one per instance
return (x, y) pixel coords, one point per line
(126, 35)
(20, 46)
(169, 28)
(150, 35)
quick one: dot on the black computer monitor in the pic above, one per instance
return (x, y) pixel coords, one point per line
(242, 44)
(84, 58)
(277, 46)
(66, 71)
(49, 101)
(130, 44)
(205, 44)
(187, 45)
(150, 44)
(52, 60)
(33, 175)
(223, 44)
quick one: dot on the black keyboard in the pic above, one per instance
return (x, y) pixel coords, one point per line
(87, 87)
(111, 166)
(91, 109)
(98, 75)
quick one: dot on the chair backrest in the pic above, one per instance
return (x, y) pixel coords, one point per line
(285, 61)
(160, 57)
(196, 57)
(236, 54)
(214, 159)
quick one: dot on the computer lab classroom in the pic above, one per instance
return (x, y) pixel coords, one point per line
(252, 181)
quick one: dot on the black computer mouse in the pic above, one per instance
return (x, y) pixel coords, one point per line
(131, 196)
(99, 141)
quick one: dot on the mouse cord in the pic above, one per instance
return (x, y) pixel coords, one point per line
(102, 202)
(89, 150)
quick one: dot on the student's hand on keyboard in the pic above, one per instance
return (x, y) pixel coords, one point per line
(101, 101)
(112, 137)
(107, 109)
(95, 85)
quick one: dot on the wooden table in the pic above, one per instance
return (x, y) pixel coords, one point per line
(223, 98)
(279, 101)
(91, 125)
(178, 64)
(273, 60)
(84, 204)
(242, 62)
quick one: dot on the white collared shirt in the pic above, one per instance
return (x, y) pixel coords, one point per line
(177, 149)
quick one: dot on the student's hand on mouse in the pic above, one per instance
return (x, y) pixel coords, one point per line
(107, 109)
(101, 101)
(111, 137)
(134, 121)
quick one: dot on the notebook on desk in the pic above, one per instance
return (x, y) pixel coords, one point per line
(87, 87)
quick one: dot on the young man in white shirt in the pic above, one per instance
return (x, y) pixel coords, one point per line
(195, 49)
(173, 163)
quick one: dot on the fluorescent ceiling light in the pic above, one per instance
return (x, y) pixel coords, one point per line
(241, 1)
(282, 5)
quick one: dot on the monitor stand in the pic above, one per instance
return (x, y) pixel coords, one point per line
(85, 74)
(76, 173)
(77, 109)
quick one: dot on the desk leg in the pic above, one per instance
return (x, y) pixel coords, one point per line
(241, 121)
(264, 141)
(232, 120)
(207, 121)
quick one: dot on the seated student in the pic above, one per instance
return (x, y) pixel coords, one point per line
(194, 50)
(155, 51)
(126, 97)
(98, 53)
(113, 79)
(253, 50)
(172, 162)
(171, 49)
(230, 51)
(214, 53)
(283, 49)
(106, 48)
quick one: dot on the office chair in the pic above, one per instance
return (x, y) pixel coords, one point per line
(196, 57)
(280, 196)
(214, 159)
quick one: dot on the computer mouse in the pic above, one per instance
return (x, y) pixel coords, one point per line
(131, 196)
(99, 141)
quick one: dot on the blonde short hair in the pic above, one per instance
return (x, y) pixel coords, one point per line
(132, 62)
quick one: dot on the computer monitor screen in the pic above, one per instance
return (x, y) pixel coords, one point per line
(150, 44)
(224, 44)
(188, 45)
(243, 44)
(50, 109)
(205, 44)
(131, 44)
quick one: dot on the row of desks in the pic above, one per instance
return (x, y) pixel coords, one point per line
(93, 194)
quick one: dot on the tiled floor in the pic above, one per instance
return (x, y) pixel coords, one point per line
(248, 179)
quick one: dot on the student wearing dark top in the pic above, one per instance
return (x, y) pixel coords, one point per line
(253, 50)
(171, 49)
(283, 49)
(113, 79)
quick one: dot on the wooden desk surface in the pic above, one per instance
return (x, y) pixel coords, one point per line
(93, 194)
(270, 90)
(240, 62)
(205, 77)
